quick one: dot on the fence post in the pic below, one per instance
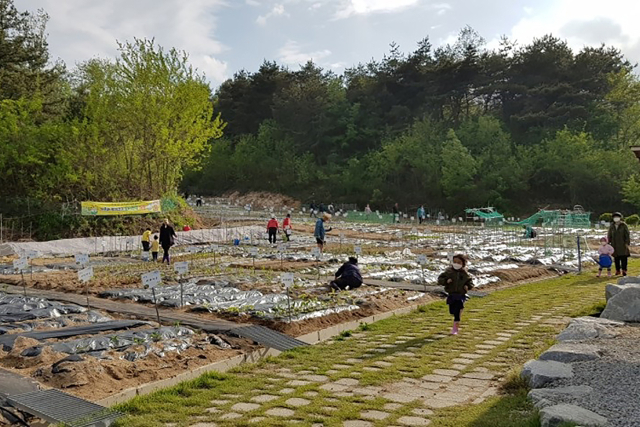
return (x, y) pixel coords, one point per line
(579, 255)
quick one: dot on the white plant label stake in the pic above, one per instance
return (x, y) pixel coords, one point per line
(84, 276)
(151, 280)
(287, 279)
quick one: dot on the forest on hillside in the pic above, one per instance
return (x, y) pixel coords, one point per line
(519, 127)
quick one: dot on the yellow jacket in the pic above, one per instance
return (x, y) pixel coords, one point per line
(146, 236)
(155, 246)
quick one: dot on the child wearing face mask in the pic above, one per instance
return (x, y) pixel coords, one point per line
(605, 251)
(457, 283)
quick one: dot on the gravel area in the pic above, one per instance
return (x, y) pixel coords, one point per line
(614, 378)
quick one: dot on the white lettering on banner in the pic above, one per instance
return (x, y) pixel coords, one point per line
(181, 267)
(152, 279)
(422, 259)
(357, 250)
(20, 264)
(85, 274)
(82, 259)
(287, 279)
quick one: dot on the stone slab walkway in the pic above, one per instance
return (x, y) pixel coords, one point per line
(398, 372)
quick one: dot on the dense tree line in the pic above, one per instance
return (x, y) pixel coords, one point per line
(518, 127)
(109, 130)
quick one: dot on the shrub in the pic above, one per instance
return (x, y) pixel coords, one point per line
(633, 219)
(606, 217)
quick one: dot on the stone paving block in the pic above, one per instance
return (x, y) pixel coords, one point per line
(392, 406)
(213, 410)
(264, 398)
(462, 361)
(310, 393)
(298, 383)
(316, 378)
(438, 404)
(368, 391)
(371, 369)
(422, 411)
(297, 402)
(494, 342)
(437, 378)
(257, 420)
(479, 375)
(480, 369)
(405, 354)
(458, 366)
(470, 356)
(374, 415)
(231, 416)
(286, 391)
(245, 407)
(204, 425)
(414, 421)
(340, 366)
(482, 352)
(332, 372)
(383, 364)
(472, 383)
(219, 402)
(329, 408)
(347, 381)
(357, 423)
(429, 385)
(333, 387)
(353, 360)
(446, 372)
(399, 398)
(485, 346)
(280, 412)
(304, 372)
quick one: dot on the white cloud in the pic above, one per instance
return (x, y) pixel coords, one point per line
(364, 7)
(278, 10)
(584, 23)
(252, 2)
(291, 54)
(80, 30)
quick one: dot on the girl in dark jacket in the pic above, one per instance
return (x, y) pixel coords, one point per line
(457, 283)
(167, 235)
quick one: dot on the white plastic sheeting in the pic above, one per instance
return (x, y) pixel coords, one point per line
(96, 245)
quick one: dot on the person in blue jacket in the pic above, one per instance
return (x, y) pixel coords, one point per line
(422, 215)
(320, 232)
(348, 276)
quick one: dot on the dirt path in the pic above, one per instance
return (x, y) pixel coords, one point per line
(404, 371)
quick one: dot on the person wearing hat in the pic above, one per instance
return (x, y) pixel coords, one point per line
(620, 238)
(272, 229)
(348, 276)
(320, 232)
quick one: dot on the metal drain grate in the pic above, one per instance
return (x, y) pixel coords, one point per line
(268, 337)
(55, 406)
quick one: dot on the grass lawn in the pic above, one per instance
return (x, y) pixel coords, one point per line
(500, 332)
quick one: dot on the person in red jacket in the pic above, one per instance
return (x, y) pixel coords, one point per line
(286, 227)
(272, 229)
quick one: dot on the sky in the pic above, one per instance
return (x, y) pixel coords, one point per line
(225, 36)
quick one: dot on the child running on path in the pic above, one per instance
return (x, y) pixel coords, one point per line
(457, 283)
(605, 253)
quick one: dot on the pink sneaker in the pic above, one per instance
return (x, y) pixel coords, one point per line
(454, 330)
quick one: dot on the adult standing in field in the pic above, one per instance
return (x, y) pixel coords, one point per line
(320, 231)
(422, 215)
(167, 239)
(272, 229)
(287, 228)
(620, 239)
(396, 213)
(367, 210)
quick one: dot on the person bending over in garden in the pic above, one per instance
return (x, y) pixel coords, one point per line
(146, 239)
(620, 239)
(287, 228)
(348, 276)
(457, 283)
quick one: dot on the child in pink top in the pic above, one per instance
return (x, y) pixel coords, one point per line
(605, 251)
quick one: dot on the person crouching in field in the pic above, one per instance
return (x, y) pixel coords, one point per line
(457, 283)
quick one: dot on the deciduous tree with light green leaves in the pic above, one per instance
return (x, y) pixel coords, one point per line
(459, 168)
(147, 117)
